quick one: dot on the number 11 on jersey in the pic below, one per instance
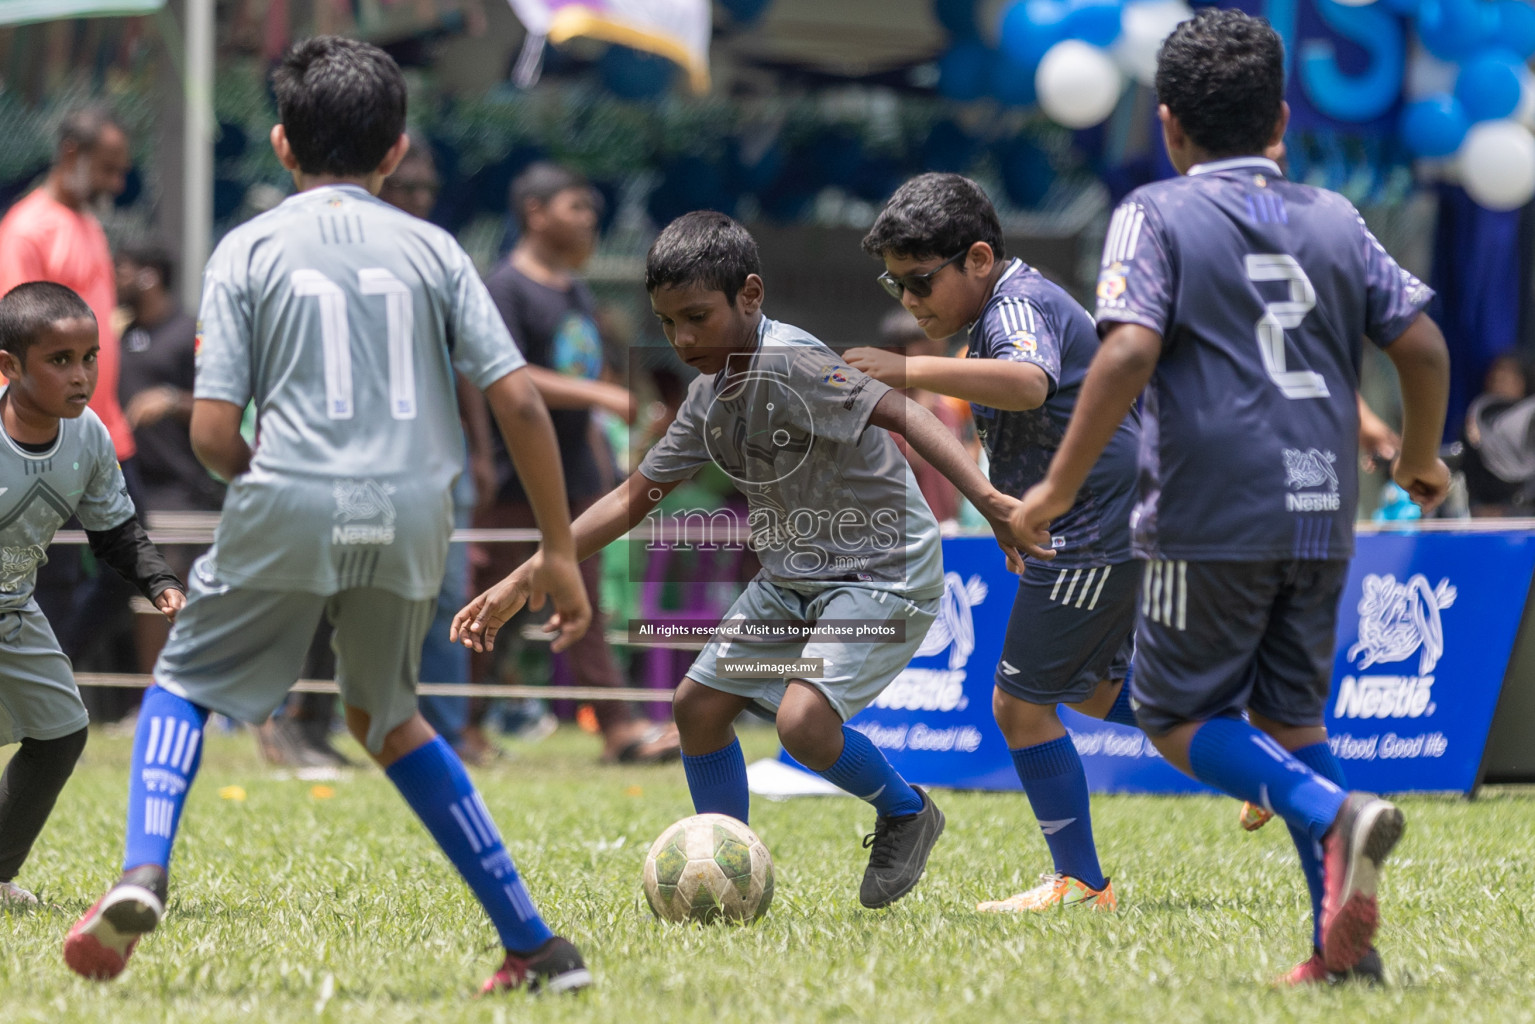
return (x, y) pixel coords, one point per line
(336, 338)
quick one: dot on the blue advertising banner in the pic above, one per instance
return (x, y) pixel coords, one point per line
(1425, 631)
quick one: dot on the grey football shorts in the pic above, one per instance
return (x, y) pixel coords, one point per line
(853, 673)
(237, 650)
(38, 697)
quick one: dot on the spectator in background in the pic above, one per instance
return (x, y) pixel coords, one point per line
(552, 317)
(159, 350)
(52, 235)
(899, 333)
(154, 386)
(1499, 450)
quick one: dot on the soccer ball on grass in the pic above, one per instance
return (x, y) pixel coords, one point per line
(709, 867)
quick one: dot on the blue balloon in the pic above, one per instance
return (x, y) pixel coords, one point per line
(1434, 126)
(1094, 21)
(1490, 85)
(1030, 28)
(1453, 29)
(957, 17)
(962, 72)
(634, 75)
(1012, 83)
(1406, 8)
(744, 12)
(1516, 28)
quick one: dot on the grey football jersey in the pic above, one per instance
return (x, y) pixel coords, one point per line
(343, 319)
(831, 501)
(79, 476)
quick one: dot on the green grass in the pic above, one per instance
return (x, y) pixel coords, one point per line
(286, 907)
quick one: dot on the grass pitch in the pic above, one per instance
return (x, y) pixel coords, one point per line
(299, 903)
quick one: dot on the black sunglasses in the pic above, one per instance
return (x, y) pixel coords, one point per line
(920, 285)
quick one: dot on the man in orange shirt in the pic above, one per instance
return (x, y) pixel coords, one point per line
(51, 235)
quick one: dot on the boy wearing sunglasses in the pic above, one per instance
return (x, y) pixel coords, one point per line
(1069, 639)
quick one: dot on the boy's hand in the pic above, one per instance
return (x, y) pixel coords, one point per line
(560, 579)
(1427, 485)
(885, 367)
(998, 512)
(1031, 520)
(478, 622)
(170, 602)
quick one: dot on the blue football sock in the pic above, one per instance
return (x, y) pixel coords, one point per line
(432, 780)
(863, 771)
(1319, 758)
(1122, 713)
(1238, 760)
(1052, 777)
(167, 750)
(717, 782)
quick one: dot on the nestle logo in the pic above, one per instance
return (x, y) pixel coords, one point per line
(1312, 502)
(362, 534)
(925, 689)
(1385, 697)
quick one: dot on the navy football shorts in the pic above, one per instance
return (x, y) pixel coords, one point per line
(1218, 638)
(1069, 631)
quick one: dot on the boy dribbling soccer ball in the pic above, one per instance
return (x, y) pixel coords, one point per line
(836, 518)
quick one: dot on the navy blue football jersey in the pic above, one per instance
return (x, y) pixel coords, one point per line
(1263, 291)
(1028, 319)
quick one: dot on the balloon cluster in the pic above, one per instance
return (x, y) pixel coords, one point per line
(1070, 56)
(1484, 122)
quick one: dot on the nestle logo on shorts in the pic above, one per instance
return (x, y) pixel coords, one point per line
(770, 668)
(1396, 621)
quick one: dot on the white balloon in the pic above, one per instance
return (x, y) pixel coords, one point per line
(1078, 85)
(1497, 164)
(1143, 25)
(1356, 3)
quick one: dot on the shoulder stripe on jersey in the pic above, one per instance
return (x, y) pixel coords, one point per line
(1124, 234)
(1135, 235)
(1016, 315)
(1110, 240)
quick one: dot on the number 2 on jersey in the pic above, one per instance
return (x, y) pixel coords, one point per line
(1279, 317)
(336, 338)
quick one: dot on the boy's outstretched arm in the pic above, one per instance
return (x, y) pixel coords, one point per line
(1118, 375)
(994, 383)
(1423, 365)
(610, 517)
(530, 440)
(128, 549)
(932, 440)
